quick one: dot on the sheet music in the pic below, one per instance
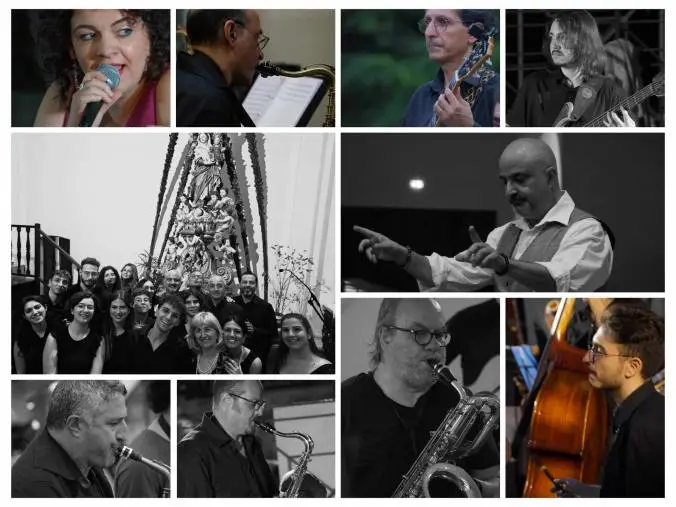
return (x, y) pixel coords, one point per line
(278, 101)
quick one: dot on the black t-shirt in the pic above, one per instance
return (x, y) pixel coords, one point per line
(382, 439)
(544, 93)
(73, 356)
(31, 347)
(634, 467)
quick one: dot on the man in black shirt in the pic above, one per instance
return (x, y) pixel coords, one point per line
(221, 458)
(87, 276)
(162, 349)
(626, 351)
(389, 413)
(576, 51)
(85, 426)
(57, 301)
(227, 46)
(259, 317)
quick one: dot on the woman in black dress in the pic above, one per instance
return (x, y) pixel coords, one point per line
(298, 353)
(117, 334)
(31, 334)
(75, 348)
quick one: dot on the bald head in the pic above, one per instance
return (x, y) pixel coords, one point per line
(172, 281)
(529, 173)
(530, 152)
(216, 287)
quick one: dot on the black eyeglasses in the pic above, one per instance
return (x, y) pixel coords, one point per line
(424, 336)
(262, 39)
(259, 405)
(595, 353)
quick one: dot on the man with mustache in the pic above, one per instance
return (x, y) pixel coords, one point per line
(227, 46)
(87, 276)
(259, 316)
(86, 422)
(552, 246)
(448, 40)
(575, 51)
(221, 457)
(389, 412)
(625, 353)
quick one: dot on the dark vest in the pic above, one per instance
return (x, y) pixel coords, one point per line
(545, 244)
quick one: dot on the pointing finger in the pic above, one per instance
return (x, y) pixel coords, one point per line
(473, 235)
(364, 231)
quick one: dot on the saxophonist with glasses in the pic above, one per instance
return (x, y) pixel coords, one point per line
(227, 46)
(221, 457)
(392, 414)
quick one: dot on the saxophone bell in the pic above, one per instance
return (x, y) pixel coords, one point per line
(299, 482)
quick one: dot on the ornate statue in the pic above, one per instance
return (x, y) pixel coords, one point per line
(207, 167)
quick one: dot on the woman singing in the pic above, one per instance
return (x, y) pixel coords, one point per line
(72, 44)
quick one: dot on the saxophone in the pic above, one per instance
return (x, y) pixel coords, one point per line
(292, 481)
(325, 72)
(450, 441)
(128, 453)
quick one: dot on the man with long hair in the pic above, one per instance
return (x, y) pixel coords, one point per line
(575, 51)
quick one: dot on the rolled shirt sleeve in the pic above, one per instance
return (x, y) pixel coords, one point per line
(584, 259)
(454, 276)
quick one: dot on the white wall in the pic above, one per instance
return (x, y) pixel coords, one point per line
(358, 328)
(100, 190)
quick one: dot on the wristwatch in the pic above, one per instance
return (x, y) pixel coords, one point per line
(506, 268)
(409, 254)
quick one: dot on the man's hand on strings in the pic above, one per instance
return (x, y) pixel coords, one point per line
(452, 110)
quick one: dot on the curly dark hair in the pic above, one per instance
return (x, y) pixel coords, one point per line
(51, 29)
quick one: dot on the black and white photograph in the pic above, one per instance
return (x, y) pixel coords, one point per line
(173, 253)
(577, 68)
(556, 212)
(91, 439)
(250, 438)
(420, 393)
(585, 405)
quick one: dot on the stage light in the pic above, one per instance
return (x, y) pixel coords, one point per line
(416, 184)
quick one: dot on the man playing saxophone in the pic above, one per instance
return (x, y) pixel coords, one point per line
(134, 479)
(390, 413)
(221, 457)
(227, 45)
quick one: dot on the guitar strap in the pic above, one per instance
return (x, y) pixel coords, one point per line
(585, 97)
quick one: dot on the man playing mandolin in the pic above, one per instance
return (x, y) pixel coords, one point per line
(453, 39)
(575, 50)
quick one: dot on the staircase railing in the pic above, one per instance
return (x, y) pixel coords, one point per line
(37, 255)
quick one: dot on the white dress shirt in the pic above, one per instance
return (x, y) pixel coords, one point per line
(582, 263)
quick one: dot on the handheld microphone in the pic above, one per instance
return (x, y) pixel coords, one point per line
(93, 108)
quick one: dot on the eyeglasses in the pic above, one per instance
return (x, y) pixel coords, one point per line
(262, 39)
(424, 336)
(259, 405)
(595, 353)
(441, 24)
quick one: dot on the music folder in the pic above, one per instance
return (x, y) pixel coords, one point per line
(278, 101)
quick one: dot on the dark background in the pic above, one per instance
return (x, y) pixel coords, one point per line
(28, 86)
(618, 177)
(644, 29)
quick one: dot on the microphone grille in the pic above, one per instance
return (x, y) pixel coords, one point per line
(111, 73)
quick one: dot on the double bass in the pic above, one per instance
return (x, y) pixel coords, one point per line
(567, 430)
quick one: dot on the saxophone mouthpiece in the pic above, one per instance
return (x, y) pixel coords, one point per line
(128, 453)
(264, 426)
(442, 371)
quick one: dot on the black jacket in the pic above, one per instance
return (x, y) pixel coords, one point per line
(203, 98)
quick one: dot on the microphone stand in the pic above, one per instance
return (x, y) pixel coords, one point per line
(314, 302)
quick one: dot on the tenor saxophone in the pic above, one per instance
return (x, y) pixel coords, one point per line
(292, 482)
(450, 441)
(128, 453)
(322, 71)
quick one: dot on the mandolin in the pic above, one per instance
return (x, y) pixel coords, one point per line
(655, 88)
